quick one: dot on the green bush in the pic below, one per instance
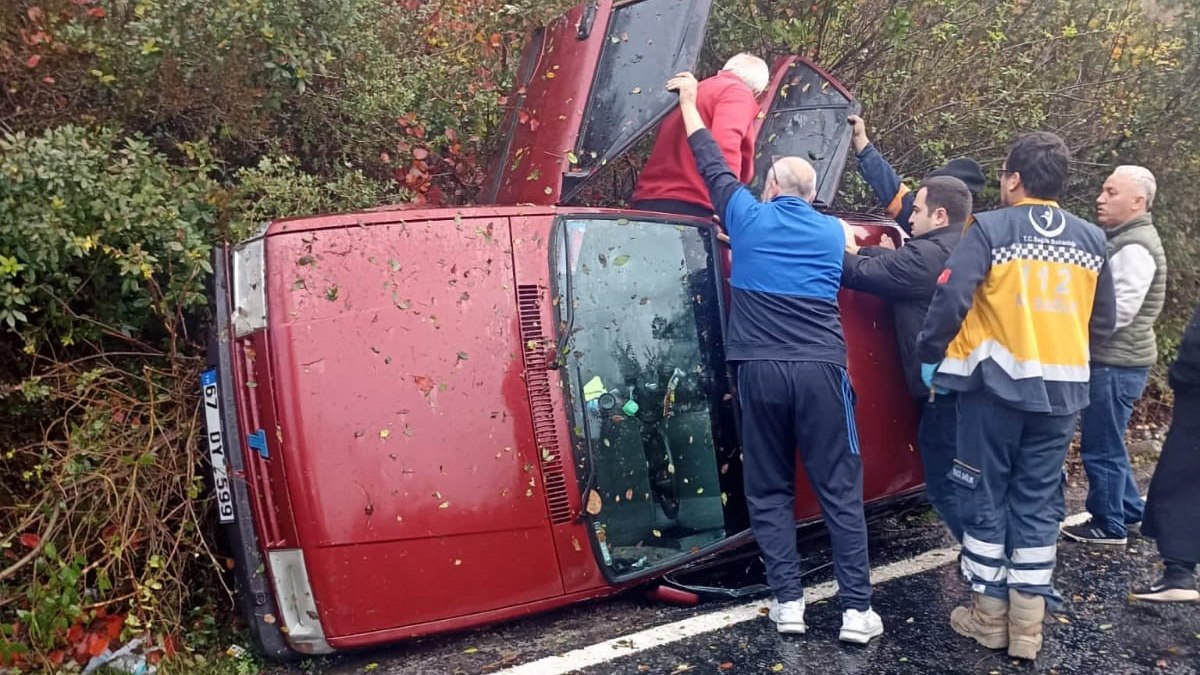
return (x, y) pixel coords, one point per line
(277, 188)
(98, 233)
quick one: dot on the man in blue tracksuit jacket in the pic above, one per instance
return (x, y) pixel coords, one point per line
(785, 337)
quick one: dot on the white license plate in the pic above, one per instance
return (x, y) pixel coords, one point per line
(216, 446)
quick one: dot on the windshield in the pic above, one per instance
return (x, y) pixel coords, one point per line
(652, 419)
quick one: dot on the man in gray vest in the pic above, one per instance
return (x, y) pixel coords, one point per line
(1121, 364)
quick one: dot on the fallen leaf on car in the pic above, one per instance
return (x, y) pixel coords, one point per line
(424, 383)
(444, 505)
(594, 503)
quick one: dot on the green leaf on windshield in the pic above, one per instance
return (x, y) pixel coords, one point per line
(620, 260)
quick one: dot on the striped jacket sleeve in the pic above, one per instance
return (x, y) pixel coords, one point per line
(965, 270)
(887, 186)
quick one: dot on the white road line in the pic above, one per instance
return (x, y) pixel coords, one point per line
(705, 623)
(602, 652)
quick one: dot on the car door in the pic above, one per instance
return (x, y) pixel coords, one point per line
(806, 111)
(590, 85)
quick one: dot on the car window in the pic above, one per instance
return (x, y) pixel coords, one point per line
(646, 43)
(807, 119)
(639, 302)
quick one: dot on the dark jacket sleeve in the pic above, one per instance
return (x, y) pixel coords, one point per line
(1185, 372)
(895, 196)
(902, 274)
(723, 186)
(1104, 308)
(965, 270)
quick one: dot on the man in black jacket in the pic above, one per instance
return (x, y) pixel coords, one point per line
(908, 276)
(1174, 500)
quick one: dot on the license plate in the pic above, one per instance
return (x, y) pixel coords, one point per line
(216, 446)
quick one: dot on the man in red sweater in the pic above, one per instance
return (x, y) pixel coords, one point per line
(728, 105)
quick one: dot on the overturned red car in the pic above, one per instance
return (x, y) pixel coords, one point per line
(427, 419)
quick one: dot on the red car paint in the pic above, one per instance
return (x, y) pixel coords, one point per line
(414, 382)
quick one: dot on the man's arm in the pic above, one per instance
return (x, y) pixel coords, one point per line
(731, 200)
(1132, 273)
(881, 177)
(896, 275)
(965, 270)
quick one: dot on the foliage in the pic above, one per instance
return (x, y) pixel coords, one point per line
(335, 83)
(97, 231)
(277, 186)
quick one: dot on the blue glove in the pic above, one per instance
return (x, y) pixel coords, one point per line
(927, 372)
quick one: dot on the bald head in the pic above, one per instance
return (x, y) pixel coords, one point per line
(791, 177)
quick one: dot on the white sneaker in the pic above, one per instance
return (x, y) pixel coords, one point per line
(859, 627)
(788, 616)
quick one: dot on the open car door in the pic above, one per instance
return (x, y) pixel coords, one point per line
(806, 118)
(590, 85)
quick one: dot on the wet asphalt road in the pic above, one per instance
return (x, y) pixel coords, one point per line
(1097, 631)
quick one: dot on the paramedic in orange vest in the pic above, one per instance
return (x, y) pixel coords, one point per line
(728, 106)
(1022, 298)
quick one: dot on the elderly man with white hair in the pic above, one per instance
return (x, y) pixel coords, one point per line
(728, 105)
(1121, 364)
(785, 339)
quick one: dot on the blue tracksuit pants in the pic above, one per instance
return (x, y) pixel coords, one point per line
(1009, 474)
(805, 405)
